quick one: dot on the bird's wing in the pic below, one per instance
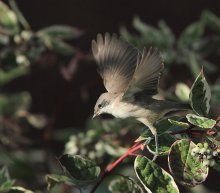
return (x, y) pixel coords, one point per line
(146, 76)
(116, 59)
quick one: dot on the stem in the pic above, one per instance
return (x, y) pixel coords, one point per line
(109, 168)
(129, 152)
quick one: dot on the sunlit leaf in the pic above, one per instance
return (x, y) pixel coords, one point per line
(201, 122)
(153, 177)
(8, 20)
(178, 123)
(185, 168)
(19, 15)
(182, 92)
(53, 179)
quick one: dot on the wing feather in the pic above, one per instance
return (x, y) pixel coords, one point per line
(146, 76)
(116, 61)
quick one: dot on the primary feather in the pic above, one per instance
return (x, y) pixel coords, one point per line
(147, 74)
(124, 69)
(116, 60)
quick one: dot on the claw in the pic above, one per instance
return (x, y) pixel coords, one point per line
(148, 140)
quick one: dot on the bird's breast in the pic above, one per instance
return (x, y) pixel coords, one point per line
(125, 110)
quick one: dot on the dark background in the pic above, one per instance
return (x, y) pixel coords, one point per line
(100, 16)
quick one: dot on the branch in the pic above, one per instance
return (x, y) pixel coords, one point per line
(109, 168)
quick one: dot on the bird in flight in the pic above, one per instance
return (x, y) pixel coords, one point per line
(131, 79)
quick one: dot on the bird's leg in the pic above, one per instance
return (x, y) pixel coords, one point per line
(148, 140)
(156, 147)
(154, 132)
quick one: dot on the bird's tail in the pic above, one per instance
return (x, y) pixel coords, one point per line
(181, 106)
(175, 106)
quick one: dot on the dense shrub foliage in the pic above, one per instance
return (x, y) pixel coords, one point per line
(188, 141)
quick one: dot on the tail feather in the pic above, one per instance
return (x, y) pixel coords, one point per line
(175, 106)
(182, 106)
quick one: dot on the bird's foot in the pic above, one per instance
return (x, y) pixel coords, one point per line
(148, 140)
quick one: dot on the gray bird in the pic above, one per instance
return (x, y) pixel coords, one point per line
(131, 79)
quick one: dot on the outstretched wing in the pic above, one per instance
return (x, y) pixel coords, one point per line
(116, 60)
(146, 76)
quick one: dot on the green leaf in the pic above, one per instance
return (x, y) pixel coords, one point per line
(8, 20)
(182, 92)
(18, 189)
(126, 34)
(124, 184)
(19, 15)
(194, 61)
(199, 121)
(191, 35)
(60, 31)
(200, 95)
(54, 179)
(150, 34)
(178, 123)
(162, 127)
(153, 177)
(57, 45)
(11, 104)
(211, 20)
(82, 170)
(166, 125)
(7, 76)
(5, 182)
(188, 170)
(165, 140)
(166, 32)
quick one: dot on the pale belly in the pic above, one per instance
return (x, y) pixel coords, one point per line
(126, 110)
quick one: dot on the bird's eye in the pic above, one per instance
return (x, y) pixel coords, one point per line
(100, 106)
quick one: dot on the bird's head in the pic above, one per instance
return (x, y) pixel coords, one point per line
(103, 104)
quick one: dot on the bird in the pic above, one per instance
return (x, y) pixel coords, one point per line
(131, 79)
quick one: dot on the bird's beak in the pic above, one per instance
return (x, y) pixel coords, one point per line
(95, 115)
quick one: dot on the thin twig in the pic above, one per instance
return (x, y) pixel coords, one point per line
(109, 168)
